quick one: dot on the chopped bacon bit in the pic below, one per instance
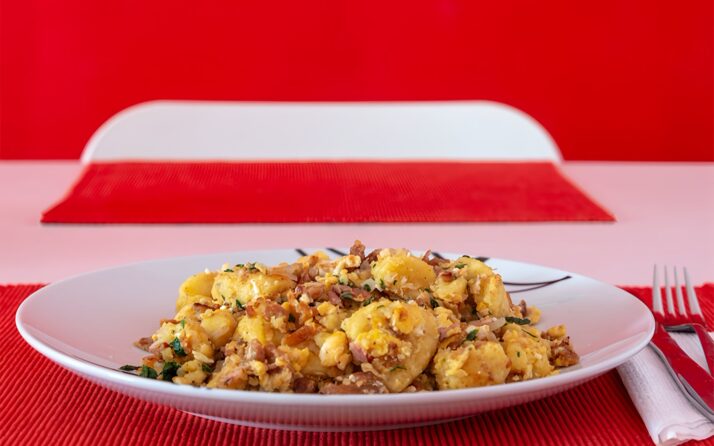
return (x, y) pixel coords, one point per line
(357, 249)
(255, 351)
(168, 321)
(233, 347)
(444, 331)
(372, 256)
(300, 335)
(360, 382)
(524, 308)
(313, 289)
(271, 352)
(358, 354)
(250, 311)
(446, 276)
(289, 271)
(156, 347)
(273, 309)
(334, 298)
(304, 385)
(562, 353)
(358, 294)
(433, 261)
(144, 343)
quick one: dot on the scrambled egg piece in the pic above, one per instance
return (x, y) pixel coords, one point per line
(528, 352)
(366, 322)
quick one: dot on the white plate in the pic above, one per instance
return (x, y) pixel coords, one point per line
(88, 324)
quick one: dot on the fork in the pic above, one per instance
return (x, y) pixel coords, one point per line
(679, 320)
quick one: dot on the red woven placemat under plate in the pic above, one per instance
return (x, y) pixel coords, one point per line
(301, 192)
(45, 404)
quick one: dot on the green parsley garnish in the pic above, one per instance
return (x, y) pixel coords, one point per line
(381, 284)
(148, 372)
(239, 305)
(228, 270)
(183, 323)
(347, 295)
(472, 335)
(368, 301)
(459, 265)
(169, 371)
(239, 265)
(366, 287)
(529, 333)
(206, 368)
(178, 348)
(433, 302)
(518, 354)
(129, 368)
(397, 367)
(517, 320)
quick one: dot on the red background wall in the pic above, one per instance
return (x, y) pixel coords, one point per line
(614, 79)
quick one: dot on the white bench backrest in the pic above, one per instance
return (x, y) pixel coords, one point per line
(183, 130)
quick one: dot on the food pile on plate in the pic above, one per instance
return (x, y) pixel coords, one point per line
(379, 322)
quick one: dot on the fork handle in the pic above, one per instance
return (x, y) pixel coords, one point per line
(707, 345)
(692, 378)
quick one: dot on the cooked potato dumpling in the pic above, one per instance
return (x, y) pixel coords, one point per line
(395, 339)
(219, 325)
(492, 298)
(475, 364)
(453, 291)
(402, 273)
(246, 285)
(196, 288)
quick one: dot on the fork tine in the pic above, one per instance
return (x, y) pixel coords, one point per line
(657, 293)
(668, 292)
(678, 292)
(691, 296)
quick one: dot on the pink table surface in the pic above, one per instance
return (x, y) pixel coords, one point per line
(665, 214)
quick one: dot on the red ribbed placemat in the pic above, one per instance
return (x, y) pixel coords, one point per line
(295, 192)
(43, 403)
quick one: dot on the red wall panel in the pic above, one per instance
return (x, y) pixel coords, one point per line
(623, 80)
